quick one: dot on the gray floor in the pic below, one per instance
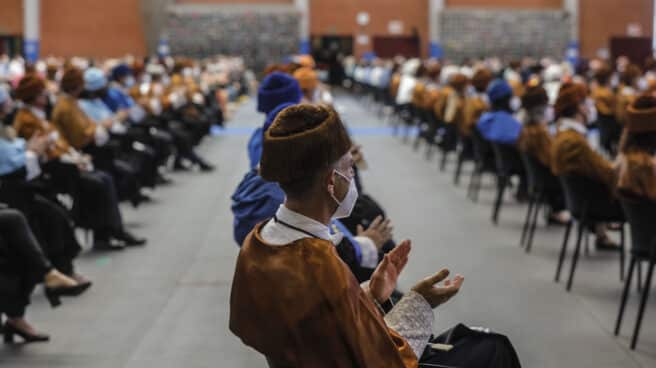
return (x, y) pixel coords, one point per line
(166, 305)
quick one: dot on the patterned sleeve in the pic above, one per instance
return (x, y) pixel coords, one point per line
(412, 318)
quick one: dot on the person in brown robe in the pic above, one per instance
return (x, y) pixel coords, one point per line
(535, 141)
(292, 299)
(572, 154)
(637, 161)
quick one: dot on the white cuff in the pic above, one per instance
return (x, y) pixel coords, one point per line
(32, 165)
(101, 136)
(369, 252)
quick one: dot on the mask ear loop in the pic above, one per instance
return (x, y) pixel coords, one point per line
(333, 193)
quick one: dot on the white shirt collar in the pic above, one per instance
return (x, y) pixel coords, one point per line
(572, 124)
(277, 233)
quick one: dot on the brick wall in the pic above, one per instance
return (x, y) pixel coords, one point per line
(11, 17)
(95, 28)
(471, 33)
(338, 17)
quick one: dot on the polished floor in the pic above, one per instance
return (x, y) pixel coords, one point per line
(166, 305)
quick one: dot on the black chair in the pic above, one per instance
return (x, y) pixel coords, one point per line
(609, 133)
(483, 163)
(589, 202)
(540, 181)
(640, 213)
(508, 164)
(465, 154)
(273, 364)
(447, 142)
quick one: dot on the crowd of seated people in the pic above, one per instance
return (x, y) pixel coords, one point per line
(300, 215)
(586, 122)
(78, 138)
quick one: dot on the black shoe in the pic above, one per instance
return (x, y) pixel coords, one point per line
(106, 245)
(162, 180)
(129, 239)
(179, 166)
(54, 294)
(9, 330)
(205, 167)
(138, 199)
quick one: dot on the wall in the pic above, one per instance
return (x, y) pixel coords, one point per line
(11, 17)
(473, 33)
(98, 28)
(602, 19)
(233, 1)
(519, 4)
(338, 17)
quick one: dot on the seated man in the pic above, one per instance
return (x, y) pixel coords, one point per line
(499, 125)
(292, 299)
(256, 200)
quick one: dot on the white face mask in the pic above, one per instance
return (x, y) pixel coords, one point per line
(345, 207)
(515, 103)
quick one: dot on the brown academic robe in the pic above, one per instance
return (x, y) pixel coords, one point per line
(535, 140)
(418, 95)
(624, 99)
(394, 85)
(571, 154)
(604, 100)
(26, 124)
(637, 174)
(75, 126)
(299, 304)
(475, 106)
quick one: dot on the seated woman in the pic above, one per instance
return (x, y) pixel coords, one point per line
(637, 158)
(572, 154)
(86, 136)
(535, 141)
(22, 266)
(93, 191)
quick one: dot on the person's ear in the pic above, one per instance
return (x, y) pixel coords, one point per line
(329, 179)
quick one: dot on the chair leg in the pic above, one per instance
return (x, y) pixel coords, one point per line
(415, 145)
(577, 251)
(625, 296)
(456, 175)
(479, 183)
(470, 187)
(445, 157)
(534, 223)
(639, 286)
(501, 189)
(527, 220)
(563, 250)
(643, 302)
(622, 253)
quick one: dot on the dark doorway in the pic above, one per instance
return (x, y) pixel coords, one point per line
(637, 49)
(390, 46)
(328, 52)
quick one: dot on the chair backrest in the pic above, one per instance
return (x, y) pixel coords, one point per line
(506, 158)
(580, 191)
(482, 148)
(273, 364)
(537, 174)
(641, 214)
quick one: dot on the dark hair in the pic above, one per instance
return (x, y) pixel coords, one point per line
(643, 141)
(502, 104)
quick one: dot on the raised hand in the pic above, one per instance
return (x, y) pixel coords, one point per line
(379, 231)
(437, 295)
(383, 280)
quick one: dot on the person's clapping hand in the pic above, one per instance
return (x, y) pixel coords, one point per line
(38, 144)
(379, 231)
(434, 294)
(383, 280)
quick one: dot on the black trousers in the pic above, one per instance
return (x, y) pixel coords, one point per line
(98, 204)
(22, 263)
(55, 232)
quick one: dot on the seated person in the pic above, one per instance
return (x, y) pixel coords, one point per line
(313, 90)
(22, 266)
(320, 316)
(499, 125)
(94, 192)
(637, 160)
(534, 140)
(572, 154)
(276, 88)
(256, 200)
